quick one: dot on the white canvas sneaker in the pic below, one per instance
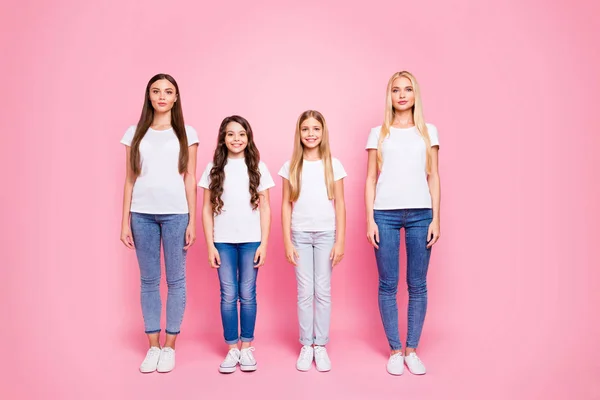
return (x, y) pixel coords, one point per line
(166, 361)
(322, 359)
(305, 358)
(415, 365)
(151, 361)
(395, 364)
(247, 361)
(231, 361)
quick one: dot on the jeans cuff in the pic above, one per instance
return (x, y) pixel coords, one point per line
(172, 333)
(243, 339)
(321, 342)
(234, 341)
(306, 342)
(153, 331)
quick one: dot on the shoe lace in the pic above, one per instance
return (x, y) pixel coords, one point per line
(248, 353)
(396, 358)
(232, 356)
(414, 357)
(167, 353)
(304, 353)
(320, 351)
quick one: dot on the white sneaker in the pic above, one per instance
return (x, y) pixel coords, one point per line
(247, 361)
(395, 364)
(151, 361)
(166, 362)
(322, 359)
(415, 365)
(305, 358)
(231, 361)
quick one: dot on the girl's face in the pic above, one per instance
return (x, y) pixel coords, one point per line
(311, 133)
(236, 139)
(162, 95)
(403, 95)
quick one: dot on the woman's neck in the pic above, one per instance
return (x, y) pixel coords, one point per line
(403, 119)
(161, 120)
(311, 154)
(235, 156)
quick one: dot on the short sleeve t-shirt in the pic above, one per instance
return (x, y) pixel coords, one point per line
(159, 189)
(402, 181)
(237, 222)
(313, 211)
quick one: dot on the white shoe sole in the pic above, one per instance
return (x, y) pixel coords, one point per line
(248, 368)
(302, 369)
(227, 370)
(323, 369)
(416, 373)
(164, 371)
(396, 373)
(147, 371)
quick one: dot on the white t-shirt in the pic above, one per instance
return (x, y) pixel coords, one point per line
(159, 189)
(238, 222)
(402, 181)
(313, 211)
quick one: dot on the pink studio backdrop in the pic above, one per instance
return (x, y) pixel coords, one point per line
(514, 283)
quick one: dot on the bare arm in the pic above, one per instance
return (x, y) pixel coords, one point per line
(265, 227)
(433, 181)
(340, 222)
(208, 225)
(126, 236)
(370, 184)
(286, 223)
(189, 179)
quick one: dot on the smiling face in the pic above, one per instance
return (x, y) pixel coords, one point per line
(311, 133)
(236, 139)
(403, 95)
(162, 95)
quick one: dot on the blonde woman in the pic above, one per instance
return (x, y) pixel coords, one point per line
(403, 191)
(313, 215)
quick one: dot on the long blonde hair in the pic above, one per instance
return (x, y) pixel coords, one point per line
(417, 111)
(298, 156)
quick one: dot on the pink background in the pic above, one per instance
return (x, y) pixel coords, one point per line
(513, 89)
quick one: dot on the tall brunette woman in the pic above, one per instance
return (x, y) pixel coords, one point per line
(159, 206)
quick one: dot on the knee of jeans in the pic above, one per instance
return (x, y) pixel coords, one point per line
(178, 283)
(247, 295)
(389, 286)
(229, 295)
(323, 295)
(417, 288)
(150, 284)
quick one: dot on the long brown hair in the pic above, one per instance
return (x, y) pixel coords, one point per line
(217, 173)
(146, 120)
(298, 156)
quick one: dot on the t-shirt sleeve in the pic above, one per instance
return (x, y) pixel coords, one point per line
(192, 135)
(433, 135)
(205, 178)
(266, 181)
(373, 140)
(284, 172)
(128, 136)
(338, 170)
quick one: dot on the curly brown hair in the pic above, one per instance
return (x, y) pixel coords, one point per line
(217, 172)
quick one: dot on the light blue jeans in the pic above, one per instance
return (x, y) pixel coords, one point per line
(148, 230)
(313, 275)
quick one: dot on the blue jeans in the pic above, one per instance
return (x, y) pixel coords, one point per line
(148, 230)
(237, 277)
(416, 224)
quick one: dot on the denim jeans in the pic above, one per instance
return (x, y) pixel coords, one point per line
(313, 275)
(237, 277)
(148, 230)
(416, 224)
